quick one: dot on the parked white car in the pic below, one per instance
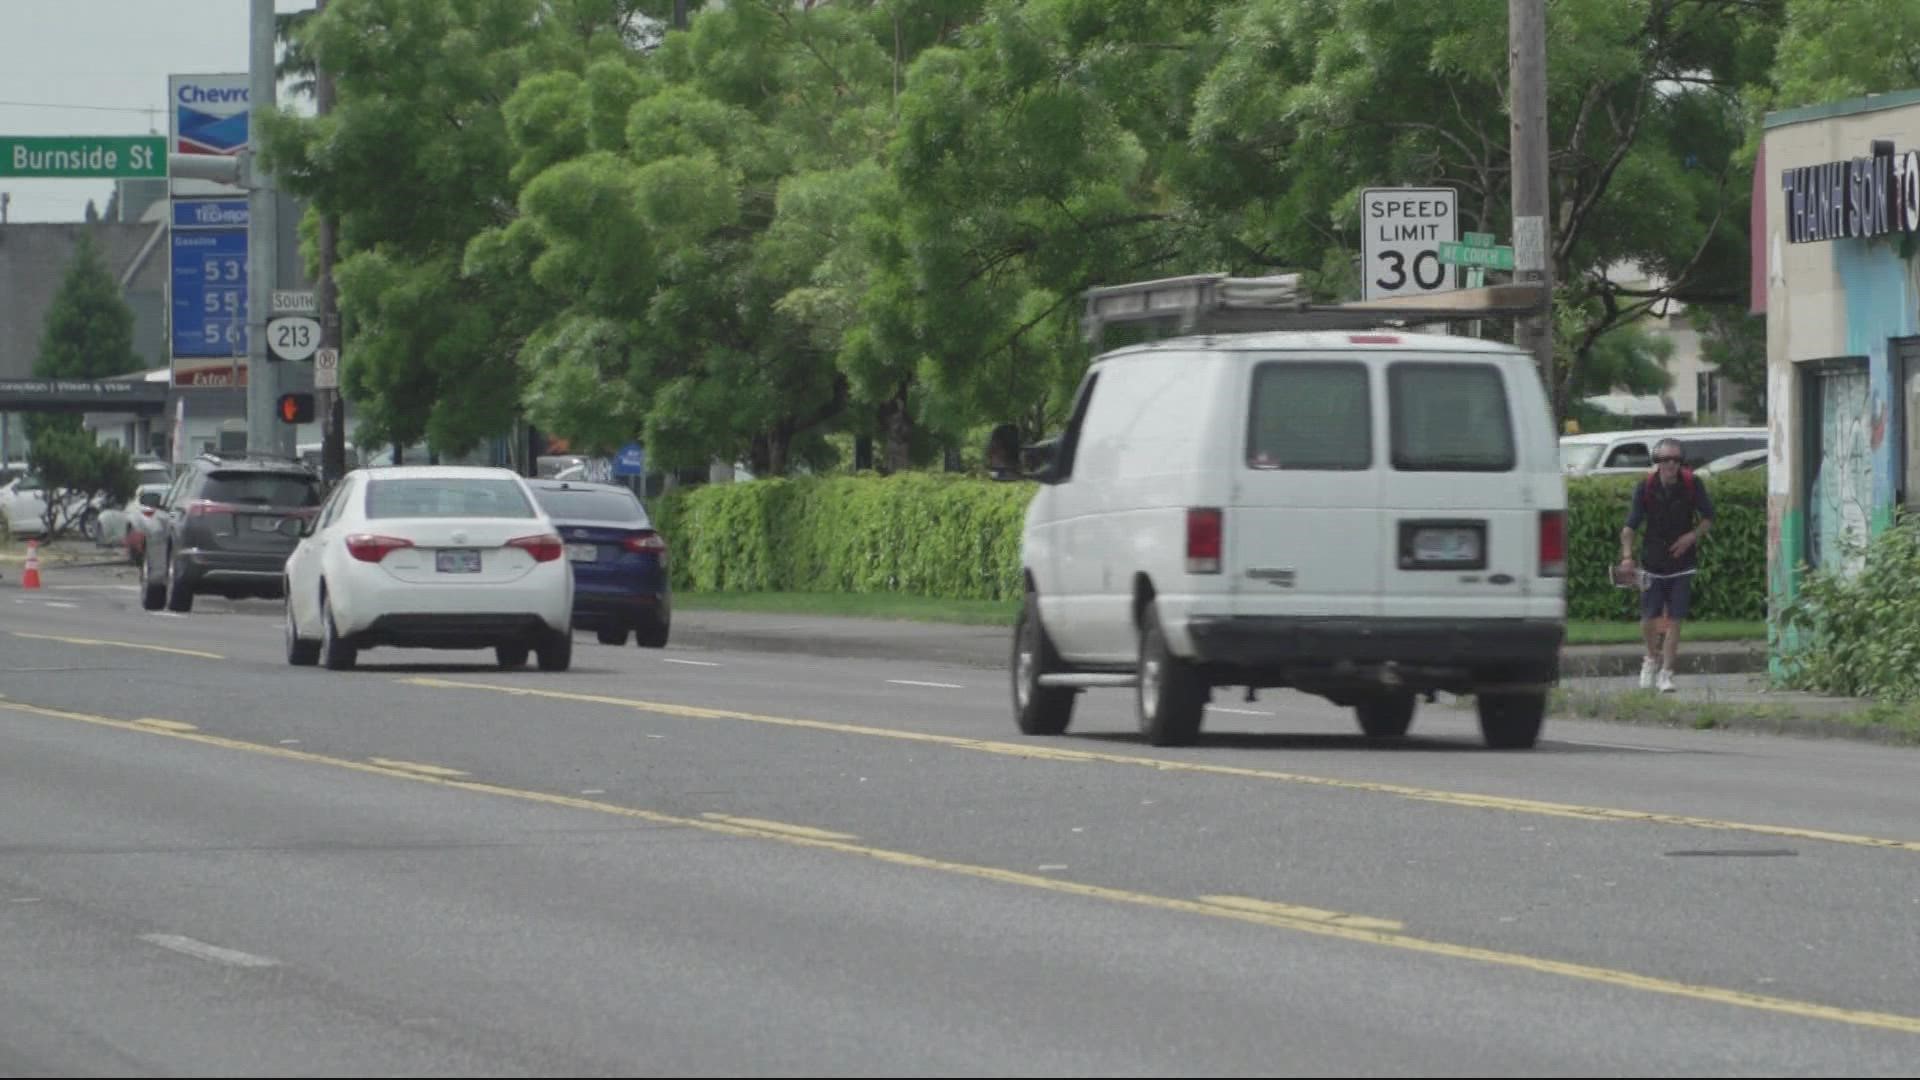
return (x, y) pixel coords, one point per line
(120, 525)
(437, 557)
(1613, 453)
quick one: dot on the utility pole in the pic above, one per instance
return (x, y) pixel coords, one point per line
(1527, 105)
(264, 431)
(679, 14)
(333, 404)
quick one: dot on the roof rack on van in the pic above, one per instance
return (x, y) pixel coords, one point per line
(1218, 304)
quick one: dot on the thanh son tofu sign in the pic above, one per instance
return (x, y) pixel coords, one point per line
(1401, 233)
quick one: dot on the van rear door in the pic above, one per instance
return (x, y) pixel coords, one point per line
(1459, 528)
(1302, 535)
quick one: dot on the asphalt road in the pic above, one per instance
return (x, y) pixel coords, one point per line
(712, 862)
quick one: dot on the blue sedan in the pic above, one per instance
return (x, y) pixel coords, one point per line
(619, 561)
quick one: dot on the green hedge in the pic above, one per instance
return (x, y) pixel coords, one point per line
(928, 534)
(947, 536)
(1732, 583)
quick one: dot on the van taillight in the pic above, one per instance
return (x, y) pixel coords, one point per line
(1553, 543)
(1203, 541)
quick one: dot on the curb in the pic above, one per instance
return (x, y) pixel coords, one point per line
(1704, 658)
(1749, 718)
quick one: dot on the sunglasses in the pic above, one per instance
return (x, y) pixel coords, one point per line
(1668, 460)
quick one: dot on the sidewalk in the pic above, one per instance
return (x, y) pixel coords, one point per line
(991, 646)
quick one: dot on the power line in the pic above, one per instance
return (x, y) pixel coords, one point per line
(89, 108)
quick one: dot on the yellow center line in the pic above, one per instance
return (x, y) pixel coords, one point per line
(1042, 751)
(764, 825)
(417, 766)
(118, 644)
(1236, 909)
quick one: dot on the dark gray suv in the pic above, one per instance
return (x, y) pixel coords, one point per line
(226, 526)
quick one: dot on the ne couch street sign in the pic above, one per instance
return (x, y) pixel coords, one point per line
(111, 157)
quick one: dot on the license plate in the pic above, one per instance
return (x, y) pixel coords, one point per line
(457, 561)
(583, 552)
(1446, 546)
(266, 524)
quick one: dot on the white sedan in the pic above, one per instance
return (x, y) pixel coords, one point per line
(434, 557)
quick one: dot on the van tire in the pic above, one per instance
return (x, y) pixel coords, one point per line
(1170, 696)
(1511, 721)
(1386, 715)
(1038, 710)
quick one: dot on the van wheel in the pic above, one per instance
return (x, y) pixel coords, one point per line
(1511, 721)
(1039, 710)
(1171, 696)
(1385, 716)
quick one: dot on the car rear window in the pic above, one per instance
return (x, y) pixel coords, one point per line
(447, 497)
(261, 488)
(590, 505)
(1449, 418)
(1310, 416)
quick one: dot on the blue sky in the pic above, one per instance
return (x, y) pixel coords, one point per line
(100, 67)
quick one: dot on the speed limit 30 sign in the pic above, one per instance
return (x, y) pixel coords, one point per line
(1401, 233)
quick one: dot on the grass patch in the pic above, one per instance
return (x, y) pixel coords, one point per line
(857, 605)
(1609, 632)
(1004, 612)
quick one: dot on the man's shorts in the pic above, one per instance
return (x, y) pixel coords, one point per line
(1666, 596)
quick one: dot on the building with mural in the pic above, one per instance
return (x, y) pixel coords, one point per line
(1836, 231)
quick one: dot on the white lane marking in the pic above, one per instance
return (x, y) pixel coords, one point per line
(695, 663)
(121, 588)
(593, 791)
(59, 604)
(935, 685)
(1619, 746)
(1239, 712)
(204, 951)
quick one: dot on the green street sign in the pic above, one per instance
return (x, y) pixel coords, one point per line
(1479, 239)
(1493, 258)
(109, 157)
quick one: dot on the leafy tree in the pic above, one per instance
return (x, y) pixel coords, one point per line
(88, 333)
(1313, 101)
(1835, 49)
(77, 472)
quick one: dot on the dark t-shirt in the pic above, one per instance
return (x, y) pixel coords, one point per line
(1667, 513)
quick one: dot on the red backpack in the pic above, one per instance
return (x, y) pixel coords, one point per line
(1686, 480)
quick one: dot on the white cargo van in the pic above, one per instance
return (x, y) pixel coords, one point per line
(1366, 515)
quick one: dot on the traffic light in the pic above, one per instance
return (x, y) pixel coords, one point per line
(295, 408)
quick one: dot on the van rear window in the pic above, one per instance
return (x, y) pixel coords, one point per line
(1310, 416)
(1449, 418)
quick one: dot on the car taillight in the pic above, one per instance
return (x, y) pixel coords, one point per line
(1203, 540)
(207, 506)
(1553, 543)
(544, 548)
(645, 542)
(370, 548)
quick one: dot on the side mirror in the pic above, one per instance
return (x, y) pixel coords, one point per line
(1040, 459)
(150, 500)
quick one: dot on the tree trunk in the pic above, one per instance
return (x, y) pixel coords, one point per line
(760, 455)
(897, 424)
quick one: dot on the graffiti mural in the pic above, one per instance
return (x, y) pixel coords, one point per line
(1840, 502)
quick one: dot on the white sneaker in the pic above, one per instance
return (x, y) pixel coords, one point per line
(1666, 682)
(1648, 668)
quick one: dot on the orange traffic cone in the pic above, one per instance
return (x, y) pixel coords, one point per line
(31, 578)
